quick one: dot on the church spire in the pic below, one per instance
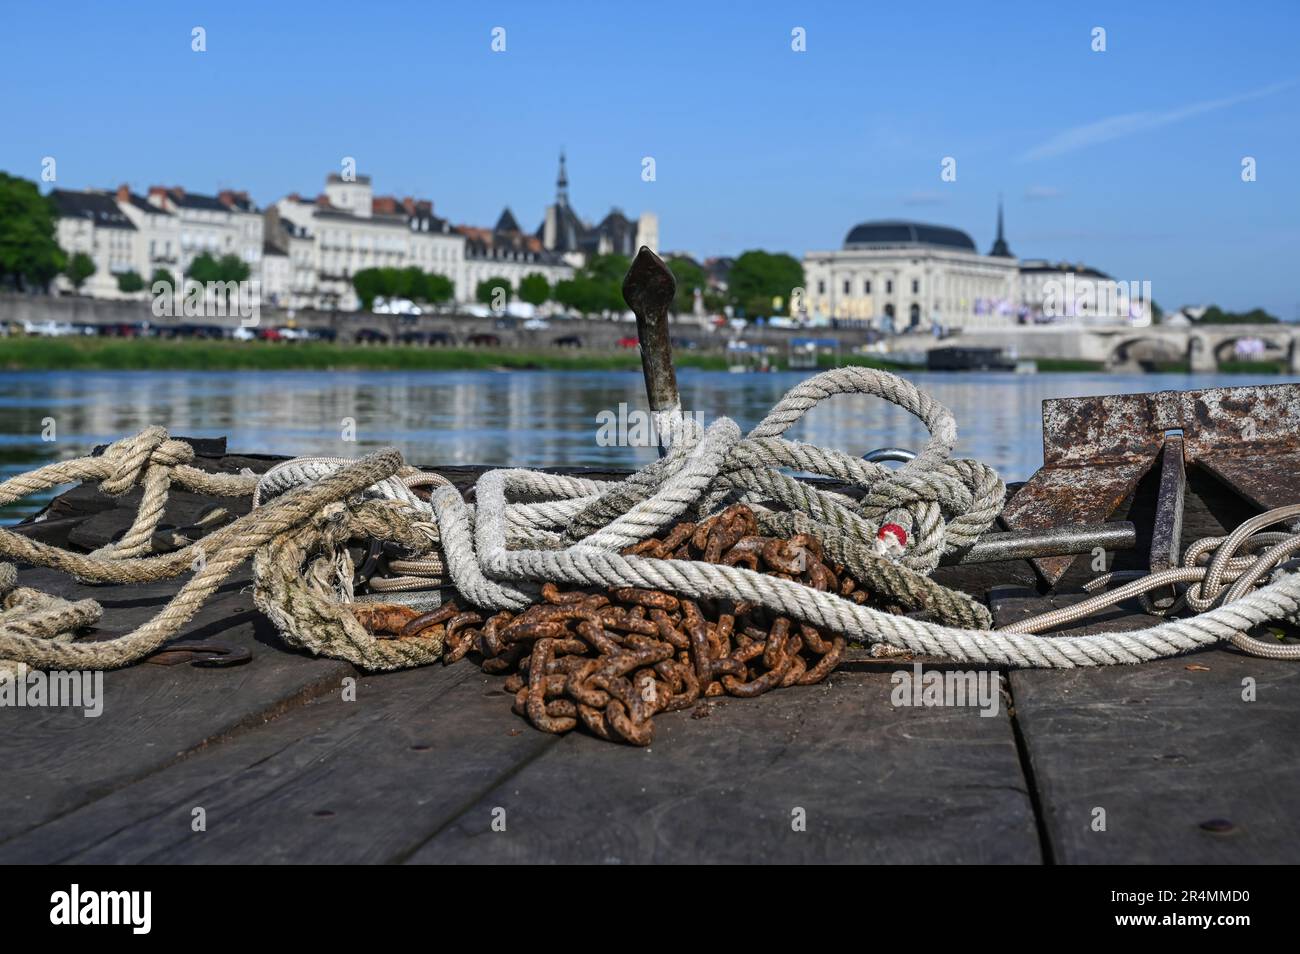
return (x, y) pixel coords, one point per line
(562, 184)
(1000, 249)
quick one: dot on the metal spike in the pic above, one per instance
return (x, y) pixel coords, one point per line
(648, 290)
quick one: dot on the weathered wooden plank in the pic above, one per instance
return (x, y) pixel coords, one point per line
(1163, 749)
(419, 762)
(876, 784)
(1166, 747)
(58, 759)
(330, 782)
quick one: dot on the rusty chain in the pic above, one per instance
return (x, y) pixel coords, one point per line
(613, 660)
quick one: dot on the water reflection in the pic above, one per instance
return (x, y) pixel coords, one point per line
(519, 418)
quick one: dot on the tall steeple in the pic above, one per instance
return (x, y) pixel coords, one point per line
(999, 249)
(562, 184)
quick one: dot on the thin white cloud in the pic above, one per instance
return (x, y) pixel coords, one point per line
(922, 197)
(1117, 127)
(1039, 192)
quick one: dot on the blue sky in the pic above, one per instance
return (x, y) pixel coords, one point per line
(1128, 160)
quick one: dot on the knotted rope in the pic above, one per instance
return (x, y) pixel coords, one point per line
(889, 527)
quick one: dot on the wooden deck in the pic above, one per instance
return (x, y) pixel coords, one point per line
(419, 765)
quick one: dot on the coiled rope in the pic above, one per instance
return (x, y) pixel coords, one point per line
(527, 528)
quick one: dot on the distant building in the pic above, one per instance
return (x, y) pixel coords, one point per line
(506, 251)
(564, 232)
(1184, 317)
(224, 224)
(347, 229)
(92, 222)
(717, 273)
(1056, 292)
(159, 246)
(304, 251)
(909, 275)
(167, 230)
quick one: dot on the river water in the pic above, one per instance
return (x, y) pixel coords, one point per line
(528, 418)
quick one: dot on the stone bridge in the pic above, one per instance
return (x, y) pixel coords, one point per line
(1121, 348)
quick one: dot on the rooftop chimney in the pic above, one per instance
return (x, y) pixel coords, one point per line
(124, 193)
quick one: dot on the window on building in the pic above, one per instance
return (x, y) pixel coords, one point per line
(821, 286)
(916, 286)
(866, 287)
(848, 287)
(889, 286)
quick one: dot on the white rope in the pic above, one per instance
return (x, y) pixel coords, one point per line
(528, 527)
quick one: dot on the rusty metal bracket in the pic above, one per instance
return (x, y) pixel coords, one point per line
(1095, 450)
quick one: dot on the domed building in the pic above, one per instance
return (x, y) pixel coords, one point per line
(900, 274)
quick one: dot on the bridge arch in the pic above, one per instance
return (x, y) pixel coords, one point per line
(1138, 348)
(1275, 345)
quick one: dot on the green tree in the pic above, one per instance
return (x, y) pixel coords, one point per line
(369, 285)
(162, 275)
(80, 267)
(596, 288)
(534, 288)
(229, 268)
(758, 278)
(232, 268)
(204, 269)
(486, 290)
(129, 282)
(1214, 315)
(690, 276)
(438, 288)
(29, 255)
(411, 282)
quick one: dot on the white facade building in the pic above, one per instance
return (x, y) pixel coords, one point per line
(159, 235)
(91, 222)
(226, 224)
(304, 251)
(347, 229)
(908, 275)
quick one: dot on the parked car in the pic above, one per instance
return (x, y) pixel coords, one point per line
(322, 334)
(483, 340)
(123, 330)
(294, 334)
(568, 341)
(413, 338)
(440, 338)
(685, 344)
(268, 334)
(370, 336)
(48, 329)
(205, 332)
(396, 306)
(629, 341)
(243, 334)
